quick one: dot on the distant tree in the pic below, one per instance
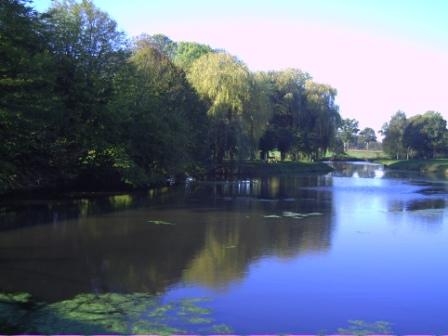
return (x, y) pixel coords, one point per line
(267, 142)
(425, 135)
(366, 136)
(348, 131)
(393, 131)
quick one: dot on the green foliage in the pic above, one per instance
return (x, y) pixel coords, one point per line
(305, 116)
(188, 52)
(225, 84)
(434, 166)
(426, 134)
(25, 94)
(393, 132)
(162, 43)
(366, 136)
(422, 136)
(81, 107)
(348, 132)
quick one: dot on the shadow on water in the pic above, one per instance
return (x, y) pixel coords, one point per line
(207, 233)
(25, 212)
(223, 239)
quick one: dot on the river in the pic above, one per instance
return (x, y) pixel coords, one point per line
(360, 248)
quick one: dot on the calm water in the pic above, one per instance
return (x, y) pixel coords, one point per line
(301, 254)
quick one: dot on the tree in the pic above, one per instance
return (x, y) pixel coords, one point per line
(393, 131)
(286, 95)
(259, 112)
(88, 51)
(188, 52)
(366, 136)
(425, 135)
(162, 43)
(321, 118)
(348, 131)
(26, 100)
(225, 84)
(163, 121)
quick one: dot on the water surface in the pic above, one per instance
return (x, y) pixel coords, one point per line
(282, 254)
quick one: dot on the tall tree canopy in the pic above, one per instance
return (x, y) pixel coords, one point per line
(188, 52)
(348, 131)
(393, 131)
(425, 135)
(82, 106)
(225, 83)
(26, 77)
(366, 136)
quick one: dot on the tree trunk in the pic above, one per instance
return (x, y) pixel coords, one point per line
(282, 156)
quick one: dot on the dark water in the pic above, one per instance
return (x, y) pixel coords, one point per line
(303, 254)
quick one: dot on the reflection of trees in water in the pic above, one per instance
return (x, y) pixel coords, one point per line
(234, 239)
(363, 170)
(427, 212)
(217, 234)
(24, 212)
(230, 248)
(119, 252)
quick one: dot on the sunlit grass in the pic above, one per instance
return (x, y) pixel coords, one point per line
(365, 154)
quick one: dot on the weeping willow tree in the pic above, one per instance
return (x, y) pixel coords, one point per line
(226, 85)
(322, 116)
(259, 112)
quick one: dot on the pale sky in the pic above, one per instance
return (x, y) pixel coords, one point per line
(381, 55)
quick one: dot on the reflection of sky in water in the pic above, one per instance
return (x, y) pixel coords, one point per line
(386, 261)
(276, 255)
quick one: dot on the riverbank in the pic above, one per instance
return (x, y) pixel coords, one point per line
(354, 155)
(435, 166)
(261, 168)
(227, 170)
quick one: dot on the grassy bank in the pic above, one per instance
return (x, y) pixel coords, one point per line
(357, 155)
(436, 166)
(365, 154)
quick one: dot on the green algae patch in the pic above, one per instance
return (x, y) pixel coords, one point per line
(110, 313)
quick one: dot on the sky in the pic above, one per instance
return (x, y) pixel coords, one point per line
(381, 55)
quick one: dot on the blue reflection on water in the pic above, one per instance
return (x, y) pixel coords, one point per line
(386, 261)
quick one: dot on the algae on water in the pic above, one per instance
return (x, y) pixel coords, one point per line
(110, 313)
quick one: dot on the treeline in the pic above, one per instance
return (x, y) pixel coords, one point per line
(423, 136)
(83, 105)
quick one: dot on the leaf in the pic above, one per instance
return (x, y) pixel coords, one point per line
(160, 222)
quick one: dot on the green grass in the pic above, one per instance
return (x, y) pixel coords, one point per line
(435, 166)
(365, 154)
